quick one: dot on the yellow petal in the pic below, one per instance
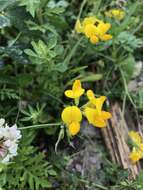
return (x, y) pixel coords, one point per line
(89, 20)
(134, 156)
(135, 137)
(90, 114)
(74, 128)
(71, 114)
(94, 118)
(99, 103)
(103, 28)
(90, 30)
(106, 37)
(99, 122)
(76, 85)
(94, 39)
(69, 93)
(105, 115)
(76, 91)
(90, 94)
(78, 27)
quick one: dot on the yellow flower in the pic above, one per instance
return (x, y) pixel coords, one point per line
(95, 102)
(90, 20)
(72, 117)
(137, 152)
(79, 27)
(116, 13)
(90, 30)
(95, 118)
(94, 39)
(94, 112)
(135, 137)
(102, 28)
(76, 91)
(93, 29)
(135, 156)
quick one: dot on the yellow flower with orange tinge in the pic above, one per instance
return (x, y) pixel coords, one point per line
(94, 29)
(76, 90)
(72, 117)
(93, 111)
(115, 13)
(137, 151)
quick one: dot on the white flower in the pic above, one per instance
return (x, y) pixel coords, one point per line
(9, 138)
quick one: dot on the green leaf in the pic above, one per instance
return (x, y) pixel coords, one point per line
(128, 41)
(31, 5)
(31, 182)
(4, 21)
(61, 67)
(30, 52)
(52, 172)
(91, 77)
(52, 42)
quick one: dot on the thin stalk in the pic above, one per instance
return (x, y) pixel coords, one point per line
(126, 88)
(81, 8)
(72, 51)
(40, 126)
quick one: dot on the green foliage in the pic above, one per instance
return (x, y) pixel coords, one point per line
(40, 56)
(128, 41)
(28, 171)
(34, 115)
(31, 5)
(8, 94)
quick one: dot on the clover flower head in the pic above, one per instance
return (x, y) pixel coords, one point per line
(9, 137)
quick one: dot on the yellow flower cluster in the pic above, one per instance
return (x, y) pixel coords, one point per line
(116, 13)
(92, 110)
(137, 151)
(94, 29)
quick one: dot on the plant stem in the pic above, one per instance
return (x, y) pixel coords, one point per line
(72, 51)
(40, 126)
(81, 8)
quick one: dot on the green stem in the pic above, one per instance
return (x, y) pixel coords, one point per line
(126, 88)
(81, 8)
(72, 51)
(40, 126)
